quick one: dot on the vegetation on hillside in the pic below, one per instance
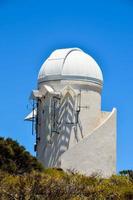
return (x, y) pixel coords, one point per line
(57, 185)
(29, 181)
(15, 159)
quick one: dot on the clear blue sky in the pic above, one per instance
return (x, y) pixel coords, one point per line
(30, 30)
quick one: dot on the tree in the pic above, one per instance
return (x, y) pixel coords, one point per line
(15, 159)
(127, 173)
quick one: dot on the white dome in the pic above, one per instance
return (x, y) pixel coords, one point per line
(70, 64)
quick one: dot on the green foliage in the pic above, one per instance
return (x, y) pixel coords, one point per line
(15, 159)
(127, 173)
(23, 178)
(53, 184)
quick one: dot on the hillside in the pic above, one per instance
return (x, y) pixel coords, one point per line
(23, 178)
(15, 159)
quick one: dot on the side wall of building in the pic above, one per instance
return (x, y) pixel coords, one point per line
(68, 130)
(96, 152)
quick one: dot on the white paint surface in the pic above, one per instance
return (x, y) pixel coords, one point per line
(70, 64)
(72, 131)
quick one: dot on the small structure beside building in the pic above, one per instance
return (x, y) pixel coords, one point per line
(71, 130)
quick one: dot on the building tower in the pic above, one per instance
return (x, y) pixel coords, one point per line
(71, 130)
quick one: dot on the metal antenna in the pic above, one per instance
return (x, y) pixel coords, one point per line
(33, 109)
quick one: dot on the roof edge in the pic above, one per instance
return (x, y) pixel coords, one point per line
(70, 77)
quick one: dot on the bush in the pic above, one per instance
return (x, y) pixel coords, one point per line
(51, 185)
(15, 159)
(22, 177)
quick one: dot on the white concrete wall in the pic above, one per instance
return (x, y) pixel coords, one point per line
(52, 145)
(80, 146)
(96, 152)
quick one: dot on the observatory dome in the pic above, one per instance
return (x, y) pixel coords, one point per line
(70, 64)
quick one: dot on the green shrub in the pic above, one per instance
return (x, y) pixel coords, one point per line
(15, 159)
(22, 177)
(51, 185)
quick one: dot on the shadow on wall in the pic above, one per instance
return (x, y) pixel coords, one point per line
(65, 119)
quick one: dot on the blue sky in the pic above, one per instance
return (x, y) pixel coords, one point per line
(30, 30)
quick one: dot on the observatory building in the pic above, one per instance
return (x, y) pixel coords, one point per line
(72, 132)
